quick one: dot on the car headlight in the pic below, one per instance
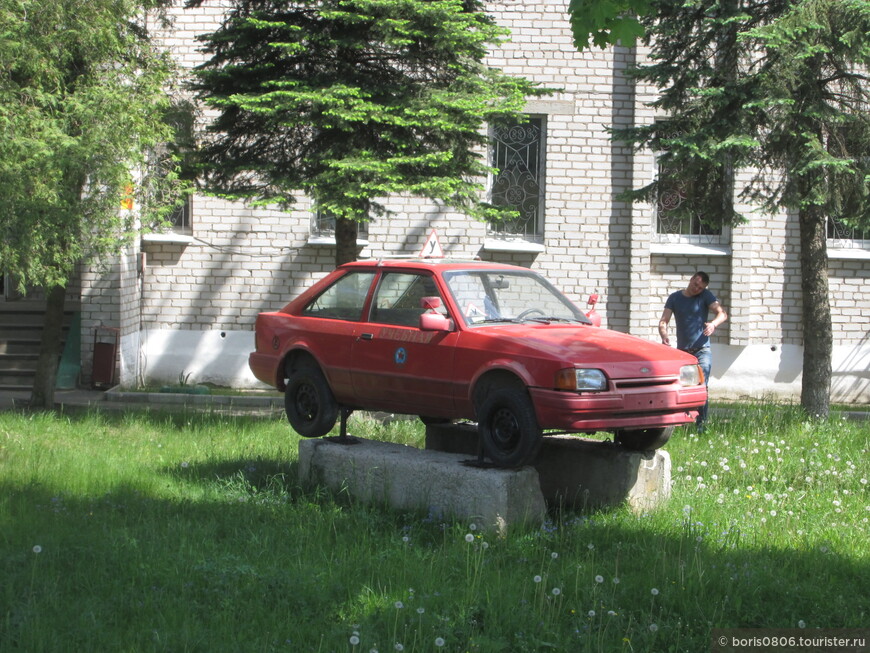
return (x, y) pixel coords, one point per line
(581, 380)
(691, 375)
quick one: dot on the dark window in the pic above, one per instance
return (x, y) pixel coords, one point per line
(343, 300)
(518, 155)
(690, 206)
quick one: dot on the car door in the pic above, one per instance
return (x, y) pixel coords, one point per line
(329, 326)
(398, 366)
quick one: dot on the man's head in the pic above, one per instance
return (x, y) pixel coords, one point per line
(698, 283)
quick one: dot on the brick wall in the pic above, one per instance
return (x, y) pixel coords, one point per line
(244, 260)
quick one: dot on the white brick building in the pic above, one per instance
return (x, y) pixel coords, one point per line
(186, 303)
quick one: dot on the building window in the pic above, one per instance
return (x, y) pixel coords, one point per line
(518, 156)
(323, 226)
(684, 205)
(841, 236)
(179, 219)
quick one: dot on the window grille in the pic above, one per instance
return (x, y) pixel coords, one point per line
(518, 155)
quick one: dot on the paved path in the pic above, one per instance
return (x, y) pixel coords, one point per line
(253, 403)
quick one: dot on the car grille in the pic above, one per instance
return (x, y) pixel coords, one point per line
(643, 383)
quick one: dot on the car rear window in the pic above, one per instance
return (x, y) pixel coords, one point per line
(343, 300)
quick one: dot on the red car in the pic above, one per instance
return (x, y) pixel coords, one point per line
(481, 341)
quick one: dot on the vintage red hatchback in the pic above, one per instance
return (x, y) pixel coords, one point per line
(446, 340)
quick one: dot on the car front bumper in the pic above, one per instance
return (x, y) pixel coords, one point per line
(609, 411)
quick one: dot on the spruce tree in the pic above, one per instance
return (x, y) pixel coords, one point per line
(778, 89)
(352, 101)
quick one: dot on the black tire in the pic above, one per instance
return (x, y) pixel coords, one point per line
(643, 439)
(309, 403)
(508, 427)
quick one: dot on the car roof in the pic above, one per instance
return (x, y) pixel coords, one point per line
(434, 264)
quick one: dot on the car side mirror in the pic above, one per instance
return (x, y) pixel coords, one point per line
(435, 322)
(430, 303)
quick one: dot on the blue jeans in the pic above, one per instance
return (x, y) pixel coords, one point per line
(705, 360)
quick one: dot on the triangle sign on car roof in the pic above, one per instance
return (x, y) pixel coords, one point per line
(432, 248)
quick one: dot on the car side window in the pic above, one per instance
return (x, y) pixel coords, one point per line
(344, 299)
(398, 298)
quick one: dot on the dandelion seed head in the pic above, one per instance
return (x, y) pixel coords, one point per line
(654, 591)
(354, 640)
(537, 579)
(439, 642)
(554, 555)
(591, 613)
(399, 605)
(653, 627)
(469, 537)
(599, 579)
(557, 591)
(37, 549)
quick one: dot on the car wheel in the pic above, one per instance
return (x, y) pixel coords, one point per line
(309, 403)
(508, 427)
(643, 439)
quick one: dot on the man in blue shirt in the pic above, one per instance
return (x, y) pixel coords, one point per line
(691, 308)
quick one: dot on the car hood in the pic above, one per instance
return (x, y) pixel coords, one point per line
(623, 355)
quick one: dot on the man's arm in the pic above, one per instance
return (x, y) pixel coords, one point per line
(719, 318)
(663, 325)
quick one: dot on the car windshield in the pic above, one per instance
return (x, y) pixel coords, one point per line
(487, 297)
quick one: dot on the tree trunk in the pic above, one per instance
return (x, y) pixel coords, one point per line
(42, 395)
(818, 335)
(345, 240)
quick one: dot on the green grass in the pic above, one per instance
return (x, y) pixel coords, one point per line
(189, 532)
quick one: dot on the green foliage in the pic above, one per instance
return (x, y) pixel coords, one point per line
(82, 97)
(607, 22)
(775, 87)
(351, 101)
(811, 106)
(148, 532)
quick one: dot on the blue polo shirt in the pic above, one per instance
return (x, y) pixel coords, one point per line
(690, 314)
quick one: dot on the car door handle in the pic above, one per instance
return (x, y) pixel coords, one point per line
(367, 336)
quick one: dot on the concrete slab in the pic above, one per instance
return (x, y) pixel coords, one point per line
(579, 472)
(406, 478)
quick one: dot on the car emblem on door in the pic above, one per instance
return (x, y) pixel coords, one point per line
(400, 356)
(644, 370)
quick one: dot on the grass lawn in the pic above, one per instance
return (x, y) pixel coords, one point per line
(189, 532)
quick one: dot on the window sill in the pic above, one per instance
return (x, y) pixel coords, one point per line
(329, 241)
(501, 245)
(687, 249)
(170, 238)
(855, 254)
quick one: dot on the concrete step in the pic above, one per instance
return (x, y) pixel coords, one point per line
(21, 324)
(18, 362)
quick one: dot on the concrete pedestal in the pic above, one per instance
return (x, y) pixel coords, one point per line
(442, 478)
(406, 478)
(579, 472)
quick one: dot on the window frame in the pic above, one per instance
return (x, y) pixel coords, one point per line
(501, 149)
(695, 235)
